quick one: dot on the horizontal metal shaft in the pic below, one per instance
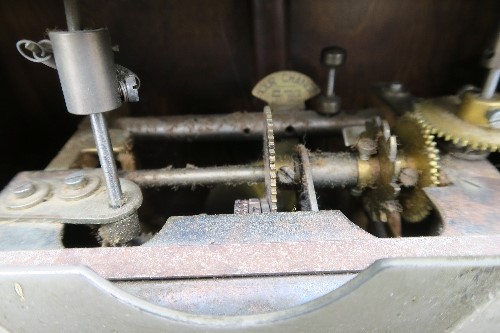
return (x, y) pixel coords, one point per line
(328, 170)
(107, 159)
(240, 125)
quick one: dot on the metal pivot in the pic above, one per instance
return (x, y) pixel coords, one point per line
(92, 104)
(106, 157)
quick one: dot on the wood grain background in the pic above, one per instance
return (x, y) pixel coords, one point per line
(204, 56)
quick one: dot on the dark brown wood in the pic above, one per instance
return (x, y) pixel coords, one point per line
(205, 56)
(269, 33)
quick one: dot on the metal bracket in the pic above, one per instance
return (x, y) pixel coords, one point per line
(50, 197)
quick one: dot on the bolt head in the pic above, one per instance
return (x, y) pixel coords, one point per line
(24, 190)
(333, 56)
(328, 105)
(396, 87)
(76, 180)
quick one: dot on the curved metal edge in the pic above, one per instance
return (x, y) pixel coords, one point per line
(461, 286)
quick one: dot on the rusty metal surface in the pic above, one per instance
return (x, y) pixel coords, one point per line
(256, 259)
(469, 205)
(240, 125)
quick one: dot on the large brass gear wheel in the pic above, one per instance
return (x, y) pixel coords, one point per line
(439, 117)
(421, 155)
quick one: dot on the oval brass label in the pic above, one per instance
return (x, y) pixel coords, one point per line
(285, 89)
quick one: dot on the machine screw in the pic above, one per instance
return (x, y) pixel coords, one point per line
(76, 180)
(366, 148)
(24, 190)
(396, 87)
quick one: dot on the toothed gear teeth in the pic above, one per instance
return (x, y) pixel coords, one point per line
(439, 116)
(270, 161)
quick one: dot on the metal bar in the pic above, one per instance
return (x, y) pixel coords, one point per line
(491, 83)
(330, 89)
(240, 125)
(196, 176)
(72, 15)
(279, 258)
(106, 157)
(308, 201)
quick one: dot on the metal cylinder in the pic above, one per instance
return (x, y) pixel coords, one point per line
(241, 125)
(86, 70)
(334, 169)
(107, 159)
(491, 83)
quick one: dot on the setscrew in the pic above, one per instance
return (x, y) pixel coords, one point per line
(366, 148)
(76, 180)
(24, 190)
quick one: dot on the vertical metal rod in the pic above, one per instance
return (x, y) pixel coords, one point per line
(331, 82)
(106, 157)
(72, 15)
(491, 83)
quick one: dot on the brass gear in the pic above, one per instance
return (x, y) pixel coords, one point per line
(420, 154)
(439, 117)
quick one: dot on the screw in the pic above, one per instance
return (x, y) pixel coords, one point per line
(396, 87)
(76, 180)
(24, 190)
(366, 148)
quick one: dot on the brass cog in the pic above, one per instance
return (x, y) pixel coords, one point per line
(421, 155)
(439, 117)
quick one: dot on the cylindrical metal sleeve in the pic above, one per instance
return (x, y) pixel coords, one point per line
(86, 70)
(334, 169)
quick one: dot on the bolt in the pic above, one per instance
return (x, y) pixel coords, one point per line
(366, 148)
(396, 87)
(76, 180)
(494, 118)
(24, 190)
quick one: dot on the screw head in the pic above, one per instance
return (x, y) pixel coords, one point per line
(76, 180)
(396, 87)
(333, 56)
(24, 190)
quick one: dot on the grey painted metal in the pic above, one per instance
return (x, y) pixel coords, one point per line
(86, 70)
(235, 296)
(107, 159)
(241, 125)
(252, 259)
(257, 228)
(30, 235)
(58, 208)
(308, 199)
(491, 83)
(410, 295)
